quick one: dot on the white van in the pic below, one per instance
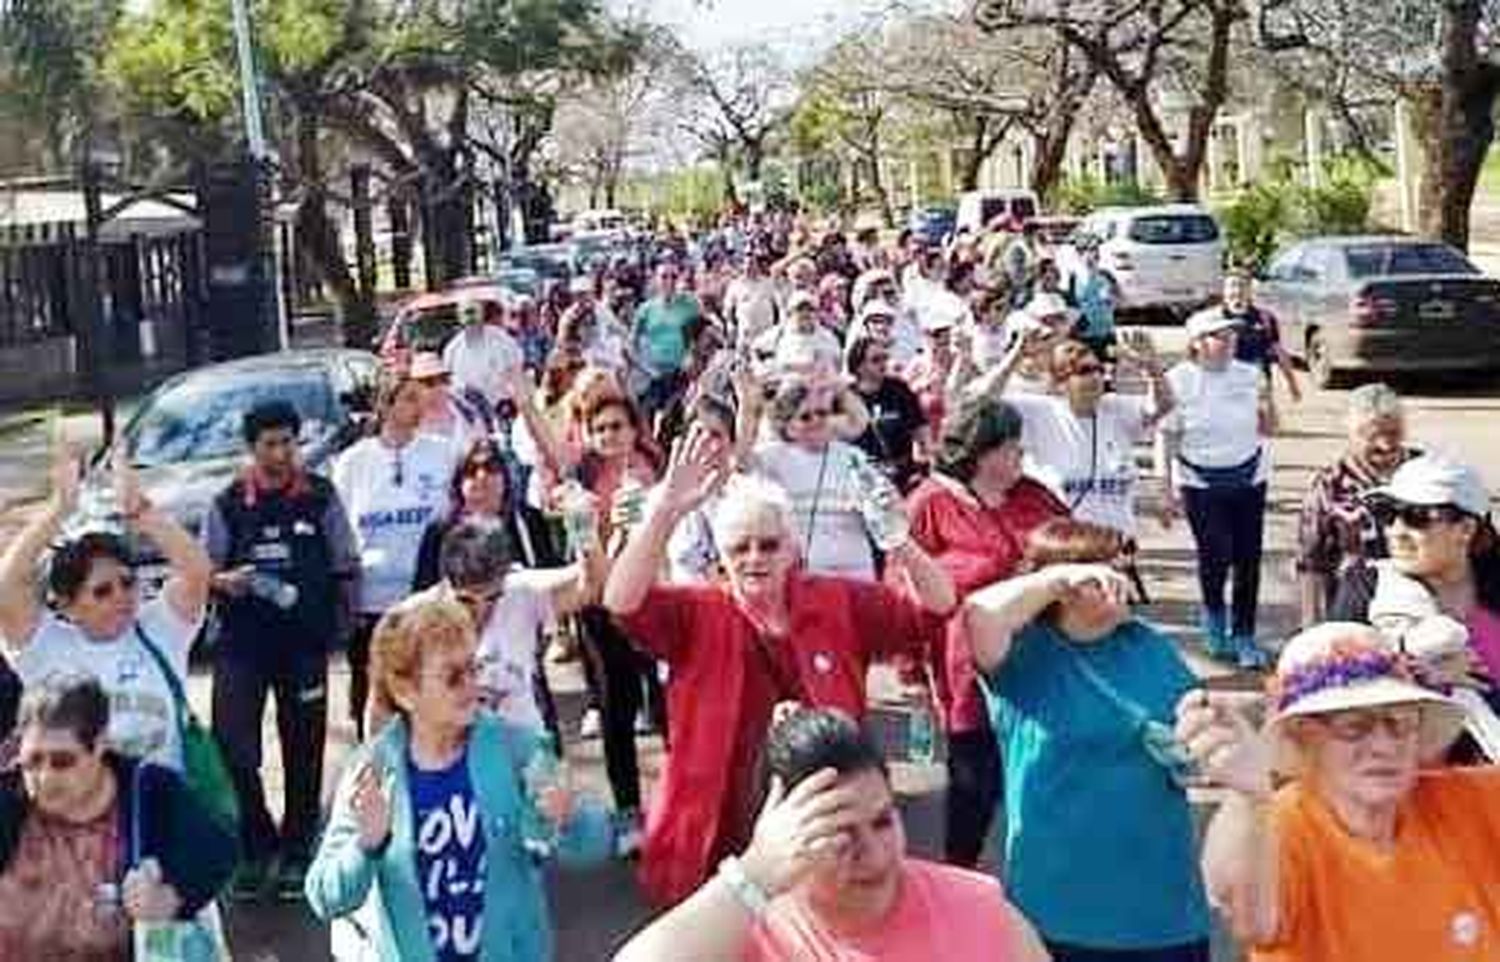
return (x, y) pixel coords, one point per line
(600, 220)
(1169, 256)
(977, 208)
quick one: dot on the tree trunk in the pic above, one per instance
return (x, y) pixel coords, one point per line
(398, 210)
(445, 220)
(1456, 126)
(318, 237)
(968, 174)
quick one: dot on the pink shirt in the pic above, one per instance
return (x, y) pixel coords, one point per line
(942, 912)
(1484, 638)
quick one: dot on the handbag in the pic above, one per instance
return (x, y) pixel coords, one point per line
(203, 767)
(198, 939)
(1157, 739)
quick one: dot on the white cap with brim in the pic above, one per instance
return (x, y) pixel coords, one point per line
(1047, 305)
(1210, 320)
(1338, 666)
(1434, 480)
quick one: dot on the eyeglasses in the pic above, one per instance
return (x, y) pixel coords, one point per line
(459, 676)
(766, 545)
(817, 414)
(105, 590)
(1417, 517)
(58, 760)
(1356, 726)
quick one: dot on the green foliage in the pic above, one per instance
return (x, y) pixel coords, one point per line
(1080, 195)
(175, 59)
(1266, 215)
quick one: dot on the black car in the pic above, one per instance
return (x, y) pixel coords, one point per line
(1383, 304)
(185, 442)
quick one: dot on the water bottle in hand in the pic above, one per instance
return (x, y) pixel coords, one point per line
(543, 774)
(581, 528)
(921, 734)
(270, 588)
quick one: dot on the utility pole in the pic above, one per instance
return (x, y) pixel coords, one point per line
(264, 164)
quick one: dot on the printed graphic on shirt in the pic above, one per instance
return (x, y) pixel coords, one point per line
(450, 860)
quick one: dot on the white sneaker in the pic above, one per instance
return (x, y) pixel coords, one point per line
(643, 724)
(589, 726)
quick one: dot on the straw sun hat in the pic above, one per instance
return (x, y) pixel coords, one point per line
(1338, 666)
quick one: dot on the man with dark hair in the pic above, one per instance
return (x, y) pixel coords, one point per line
(285, 563)
(827, 877)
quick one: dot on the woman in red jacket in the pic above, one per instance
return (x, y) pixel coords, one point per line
(973, 515)
(769, 634)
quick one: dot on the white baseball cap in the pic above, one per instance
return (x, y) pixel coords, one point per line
(1431, 479)
(1210, 320)
(1047, 304)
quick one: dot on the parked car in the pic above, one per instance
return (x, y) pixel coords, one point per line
(934, 224)
(1054, 230)
(554, 262)
(425, 322)
(184, 439)
(1168, 256)
(1382, 304)
(977, 209)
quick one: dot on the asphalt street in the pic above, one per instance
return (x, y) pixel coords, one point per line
(595, 910)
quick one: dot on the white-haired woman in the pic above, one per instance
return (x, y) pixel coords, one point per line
(1336, 527)
(1361, 854)
(770, 633)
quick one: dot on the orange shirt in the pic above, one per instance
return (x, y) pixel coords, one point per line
(943, 913)
(1434, 897)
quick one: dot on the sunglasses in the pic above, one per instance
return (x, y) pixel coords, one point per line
(105, 590)
(459, 676)
(477, 468)
(767, 545)
(1356, 726)
(60, 760)
(1417, 517)
(818, 414)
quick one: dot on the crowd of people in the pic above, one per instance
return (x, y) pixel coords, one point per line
(729, 477)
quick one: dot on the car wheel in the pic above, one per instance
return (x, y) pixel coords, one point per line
(1320, 364)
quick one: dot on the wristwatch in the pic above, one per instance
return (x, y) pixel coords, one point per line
(751, 896)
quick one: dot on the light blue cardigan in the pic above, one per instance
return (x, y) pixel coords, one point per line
(517, 926)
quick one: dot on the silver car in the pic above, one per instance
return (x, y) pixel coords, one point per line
(1382, 305)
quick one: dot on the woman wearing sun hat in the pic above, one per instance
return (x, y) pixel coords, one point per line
(1361, 854)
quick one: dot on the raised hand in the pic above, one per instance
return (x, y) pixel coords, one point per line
(146, 896)
(371, 804)
(66, 475)
(1228, 749)
(697, 469)
(1075, 578)
(1137, 347)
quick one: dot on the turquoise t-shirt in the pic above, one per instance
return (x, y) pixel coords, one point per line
(1099, 846)
(661, 330)
(1096, 304)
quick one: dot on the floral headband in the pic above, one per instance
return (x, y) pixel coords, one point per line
(1345, 663)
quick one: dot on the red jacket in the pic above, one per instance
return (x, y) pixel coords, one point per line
(838, 627)
(977, 546)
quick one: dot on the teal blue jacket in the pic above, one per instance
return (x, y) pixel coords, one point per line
(517, 925)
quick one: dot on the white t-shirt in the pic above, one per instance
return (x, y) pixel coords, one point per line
(790, 349)
(1088, 462)
(609, 346)
(389, 518)
(838, 543)
(989, 344)
(1218, 416)
(508, 646)
(483, 357)
(142, 711)
(750, 303)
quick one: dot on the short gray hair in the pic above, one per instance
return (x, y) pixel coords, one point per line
(1371, 401)
(475, 553)
(748, 496)
(72, 701)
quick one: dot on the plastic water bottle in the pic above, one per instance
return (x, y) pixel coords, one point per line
(579, 524)
(921, 734)
(629, 504)
(270, 588)
(542, 774)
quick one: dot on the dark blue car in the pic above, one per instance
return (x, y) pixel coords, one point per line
(933, 224)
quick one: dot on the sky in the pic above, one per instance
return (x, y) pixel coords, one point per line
(800, 28)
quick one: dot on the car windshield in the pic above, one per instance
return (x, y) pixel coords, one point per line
(198, 419)
(1174, 229)
(1382, 260)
